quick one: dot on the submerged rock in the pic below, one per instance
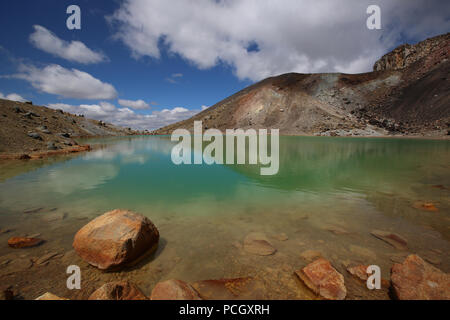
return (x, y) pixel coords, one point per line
(50, 296)
(310, 255)
(230, 289)
(427, 206)
(116, 239)
(20, 242)
(174, 290)
(323, 279)
(393, 239)
(415, 279)
(281, 237)
(121, 290)
(359, 272)
(258, 244)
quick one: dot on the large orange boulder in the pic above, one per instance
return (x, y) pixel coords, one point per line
(116, 239)
(323, 279)
(415, 279)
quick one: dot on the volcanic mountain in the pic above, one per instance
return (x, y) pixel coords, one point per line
(408, 93)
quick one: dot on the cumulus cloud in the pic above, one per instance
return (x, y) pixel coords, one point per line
(137, 105)
(76, 51)
(13, 97)
(125, 117)
(73, 83)
(261, 38)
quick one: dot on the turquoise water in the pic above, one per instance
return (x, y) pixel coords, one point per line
(358, 184)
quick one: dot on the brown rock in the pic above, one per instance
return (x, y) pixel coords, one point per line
(21, 242)
(230, 289)
(116, 239)
(50, 296)
(415, 279)
(359, 272)
(121, 290)
(174, 290)
(258, 244)
(393, 239)
(323, 279)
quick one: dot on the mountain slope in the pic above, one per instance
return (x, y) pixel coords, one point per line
(408, 94)
(25, 128)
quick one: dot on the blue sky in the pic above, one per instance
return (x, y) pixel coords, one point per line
(177, 56)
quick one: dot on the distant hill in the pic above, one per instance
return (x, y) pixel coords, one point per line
(406, 94)
(25, 128)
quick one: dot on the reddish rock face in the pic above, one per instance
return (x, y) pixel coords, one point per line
(174, 290)
(19, 243)
(415, 279)
(230, 289)
(323, 279)
(118, 291)
(116, 239)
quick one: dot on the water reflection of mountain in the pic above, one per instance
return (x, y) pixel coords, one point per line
(332, 164)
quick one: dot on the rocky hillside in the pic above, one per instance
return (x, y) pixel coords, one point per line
(25, 129)
(407, 94)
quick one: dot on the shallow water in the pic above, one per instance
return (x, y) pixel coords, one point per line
(204, 212)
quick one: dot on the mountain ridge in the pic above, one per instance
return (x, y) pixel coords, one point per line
(407, 94)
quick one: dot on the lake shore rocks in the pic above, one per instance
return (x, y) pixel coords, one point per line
(393, 239)
(174, 290)
(323, 279)
(415, 279)
(258, 244)
(22, 242)
(116, 239)
(120, 290)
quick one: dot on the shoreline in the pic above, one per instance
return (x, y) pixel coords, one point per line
(39, 155)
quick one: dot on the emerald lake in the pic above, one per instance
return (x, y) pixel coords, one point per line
(328, 195)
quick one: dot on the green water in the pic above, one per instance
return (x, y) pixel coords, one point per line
(357, 184)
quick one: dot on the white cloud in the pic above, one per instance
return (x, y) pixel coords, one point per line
(174, 77)
(13, 97)
(73, 83)
(125, 117)
(138, 104)
(261, 38)
(76, 51)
